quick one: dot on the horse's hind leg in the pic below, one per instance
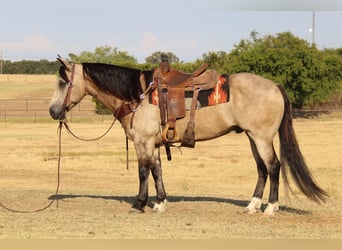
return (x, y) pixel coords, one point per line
(268, 164)
(255, 203)
(273, 200)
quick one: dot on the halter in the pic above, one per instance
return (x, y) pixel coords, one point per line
(67, 103)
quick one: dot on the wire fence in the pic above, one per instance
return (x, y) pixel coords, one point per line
(37, 110)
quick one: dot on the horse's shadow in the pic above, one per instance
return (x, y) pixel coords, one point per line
(132, 200)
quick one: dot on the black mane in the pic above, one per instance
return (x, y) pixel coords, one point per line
(116, 80)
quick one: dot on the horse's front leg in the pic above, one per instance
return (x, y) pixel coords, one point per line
(144, 171)
(148, 155)
(156, 170)
(146, 165)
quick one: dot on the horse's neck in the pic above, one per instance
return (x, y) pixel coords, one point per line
(109, 101)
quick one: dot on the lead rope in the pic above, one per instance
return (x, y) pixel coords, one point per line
(59, 131)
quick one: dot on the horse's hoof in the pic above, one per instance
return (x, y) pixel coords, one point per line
(137, 208)
(159, 207)
(271, 208)
(251, 211)
(254, 206)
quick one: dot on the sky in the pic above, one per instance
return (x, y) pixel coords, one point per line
(41, 29)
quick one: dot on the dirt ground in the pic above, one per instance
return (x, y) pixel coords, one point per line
(207, 187)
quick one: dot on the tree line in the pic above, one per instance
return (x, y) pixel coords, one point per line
(309, 75)
(30, 67)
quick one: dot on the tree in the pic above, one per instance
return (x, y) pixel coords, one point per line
(30, 67)
(156, 57)
(105, 54)
(217, 60)
(308, 75)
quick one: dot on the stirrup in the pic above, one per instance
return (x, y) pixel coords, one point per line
(165, 137)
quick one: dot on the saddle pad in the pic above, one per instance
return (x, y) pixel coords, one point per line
(218, 94)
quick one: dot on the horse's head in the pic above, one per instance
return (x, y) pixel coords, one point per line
(69, 91)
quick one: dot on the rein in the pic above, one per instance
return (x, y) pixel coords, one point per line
(86, 139)
(117, 116)
(59, 131)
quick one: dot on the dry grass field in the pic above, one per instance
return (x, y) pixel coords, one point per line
(26, 86)
(208, 187)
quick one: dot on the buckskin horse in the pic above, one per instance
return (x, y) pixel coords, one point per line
(257, 106)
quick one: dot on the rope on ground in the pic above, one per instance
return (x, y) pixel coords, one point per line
(58, 180)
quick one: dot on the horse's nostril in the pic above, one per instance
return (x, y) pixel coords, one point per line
(56, 112)
(53, 114)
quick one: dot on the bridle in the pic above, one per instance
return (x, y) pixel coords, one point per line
(67, 102)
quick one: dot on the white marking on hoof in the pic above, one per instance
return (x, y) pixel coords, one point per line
(271, 208)
(254, 205)
(160, 207)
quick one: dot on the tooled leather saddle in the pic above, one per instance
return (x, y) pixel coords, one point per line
(172, 85)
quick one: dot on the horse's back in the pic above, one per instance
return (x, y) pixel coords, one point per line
(251, 84)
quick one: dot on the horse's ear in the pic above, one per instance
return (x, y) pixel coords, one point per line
(64, 62)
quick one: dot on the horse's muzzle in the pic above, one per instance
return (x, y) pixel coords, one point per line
(57, 112)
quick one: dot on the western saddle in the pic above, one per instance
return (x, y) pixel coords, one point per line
(172, 84)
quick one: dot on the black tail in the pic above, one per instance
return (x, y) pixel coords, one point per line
(291, 156)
